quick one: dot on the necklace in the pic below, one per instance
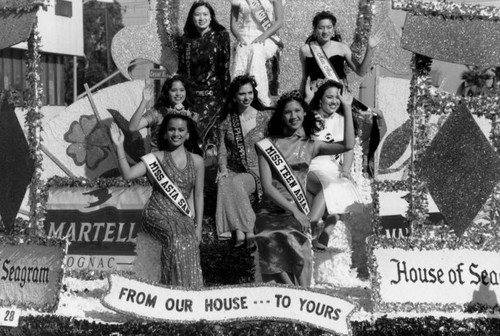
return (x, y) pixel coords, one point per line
(248, 116)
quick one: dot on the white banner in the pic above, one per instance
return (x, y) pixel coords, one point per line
(439, 277)
(228, 304)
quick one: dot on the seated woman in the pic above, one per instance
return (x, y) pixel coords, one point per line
(174, 221)
(244, 121)
(174, 95)
(255, 32)
(329, 177)
(282, 226)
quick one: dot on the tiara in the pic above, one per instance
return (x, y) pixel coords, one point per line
(180, 110)
(291, 94)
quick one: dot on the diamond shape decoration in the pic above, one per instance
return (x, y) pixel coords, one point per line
(16, 165)
(461, 169)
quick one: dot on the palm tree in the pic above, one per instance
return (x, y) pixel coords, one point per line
(479, 81)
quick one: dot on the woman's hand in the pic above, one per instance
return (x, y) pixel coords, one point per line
(116, 135)
(260, 39)
(221, 174)
(303, 220)
(346, 98)
(147, 92)
(242, 42)
(309, 90)
(374, 40)
(198, 236)
(347, 175)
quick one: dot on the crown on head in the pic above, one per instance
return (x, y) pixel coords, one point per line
(179, 109)
(291, 94)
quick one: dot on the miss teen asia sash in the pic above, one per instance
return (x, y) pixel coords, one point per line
(280, 166)
(165, 183)
(242, 154)
(259, 13)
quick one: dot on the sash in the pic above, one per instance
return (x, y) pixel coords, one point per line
(259, 13)
(323, 62)
(165, 183)
(280, 166)
(242, 154)
(330, 73)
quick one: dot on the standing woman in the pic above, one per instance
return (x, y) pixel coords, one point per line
(204, 57)
(174, 95)
(254, 24)
(244, 121)
(324, 55)
(282, 226)
(174, 212)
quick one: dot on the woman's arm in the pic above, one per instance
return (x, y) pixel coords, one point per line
(276, 25)
(224, 60)
(137, 122)
(128, 172)
(303, 81)
(270, 191)
(362, 68)
(198, 193)
(235, 12)
(222, 152)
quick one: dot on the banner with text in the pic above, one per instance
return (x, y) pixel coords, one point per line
(100, 223)
(31, 275)
(228, 304)
(438, 276)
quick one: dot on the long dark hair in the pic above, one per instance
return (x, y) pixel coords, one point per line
(190, 29)
(230, 106)
(275, 127)
(318, 95)
(324, 15)
(163, 100)
(191, 144)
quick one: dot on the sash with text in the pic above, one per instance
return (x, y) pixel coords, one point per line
(279, 164)
(164, 182)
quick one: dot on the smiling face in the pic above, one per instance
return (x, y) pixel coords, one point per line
(293, 116)
(324, 30)
(177, 132)
(202, 19)
(244, 96)
(177, 93)
(330, 101)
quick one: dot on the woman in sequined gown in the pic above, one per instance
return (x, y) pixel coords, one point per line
(282, 230)
(238, 176)
(178, 233)
(204, 58)
(254, 44)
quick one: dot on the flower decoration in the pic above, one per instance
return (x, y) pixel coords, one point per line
(88, 142)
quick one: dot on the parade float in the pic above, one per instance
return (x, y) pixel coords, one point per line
(76, 264)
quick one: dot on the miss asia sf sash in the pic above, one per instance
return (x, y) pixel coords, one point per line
(279, 164)
(166, 184)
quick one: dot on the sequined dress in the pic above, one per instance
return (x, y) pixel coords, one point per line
(234, 208)
(281, 244)
(180, 255)
(339, 192)
(251, 58)
(205, 61)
